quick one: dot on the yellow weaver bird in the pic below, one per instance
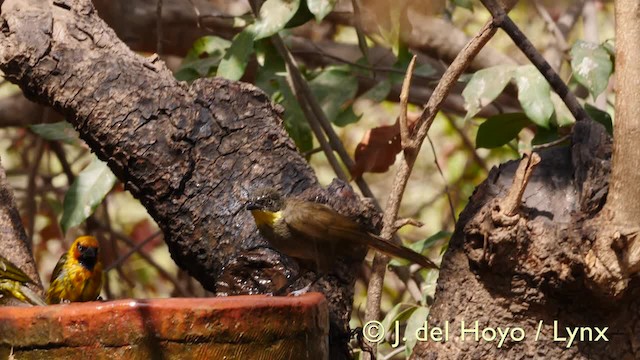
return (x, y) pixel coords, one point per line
(13, 283)
(314, 232)
(78, 274)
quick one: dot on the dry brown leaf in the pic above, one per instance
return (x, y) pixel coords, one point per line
(378, 148)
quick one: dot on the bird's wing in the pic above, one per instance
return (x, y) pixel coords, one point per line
(11, 272)
(340, 232)
(320, 222)
(59, 267)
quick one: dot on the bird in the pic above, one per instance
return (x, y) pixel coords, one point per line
(78, 274)
(13, 283)
(313, 232)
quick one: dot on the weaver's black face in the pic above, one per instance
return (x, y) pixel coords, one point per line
(266, 200)
(87, 256)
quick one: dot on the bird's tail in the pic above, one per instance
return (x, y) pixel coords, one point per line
(395, 250)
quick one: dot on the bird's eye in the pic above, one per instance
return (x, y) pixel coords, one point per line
(80, 248)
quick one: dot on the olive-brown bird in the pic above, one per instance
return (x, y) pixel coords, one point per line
(78, 274)
(13, 283)
(314, 232)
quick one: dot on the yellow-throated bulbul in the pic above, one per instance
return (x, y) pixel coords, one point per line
(314, 232)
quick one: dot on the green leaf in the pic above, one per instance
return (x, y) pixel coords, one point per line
(203, 58)
(91, 186)
(467, 4)
(562, 115)
(534, 94)
(321, 8)
(59, 131)
(416, 321)
(346, 117)
(334, 89)
(394, 314)
(294, 119)
(500, 129)
(273, 16)
(271, 64)
(421, 246)
(600, 116)
(235, 60)
(379, 92)
(592, 66)
(484, 87)
(544, 136)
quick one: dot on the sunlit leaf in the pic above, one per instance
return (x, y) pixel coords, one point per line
(500, 129)
(87, 191)
(59, 131)
(591, 65)
(534, 94)
(273, 16)
(237, 56)
(484, 87)
(321, 8)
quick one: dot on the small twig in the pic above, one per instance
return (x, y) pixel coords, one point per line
(118, 262)
(553, 27)
(467, 144)
(510, 204)
(362, 40)
(397, 351)
(31, 188)
(319, 116)
(444, 180)
(405, 136)
(400, 223)
(502, 20)
(295, 81)
(383, 69)
(551, 143)
(161, 271)
(449, 79)
(159, 27)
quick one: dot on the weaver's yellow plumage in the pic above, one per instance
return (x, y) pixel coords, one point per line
(78, 274)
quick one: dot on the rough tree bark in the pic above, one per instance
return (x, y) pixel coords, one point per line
(563, 260)
(191, 154)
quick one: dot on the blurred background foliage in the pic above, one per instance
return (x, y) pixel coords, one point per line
(500, 110)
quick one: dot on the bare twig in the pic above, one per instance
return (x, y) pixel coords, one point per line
(405, 136)
(31, 188)
(118, 262)
(400, 223)
(362, 40)
(502, 20)
(444, 180)
(561, 39)
(159, 27)
(467, 144)
(319, 116)
(449, 79)
(296, 83)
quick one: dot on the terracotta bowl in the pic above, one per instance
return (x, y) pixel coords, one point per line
(236, 327)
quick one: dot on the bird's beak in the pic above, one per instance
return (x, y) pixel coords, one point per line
(250, 205)
(91, 252)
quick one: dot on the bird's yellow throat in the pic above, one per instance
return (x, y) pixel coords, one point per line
(266, 217)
